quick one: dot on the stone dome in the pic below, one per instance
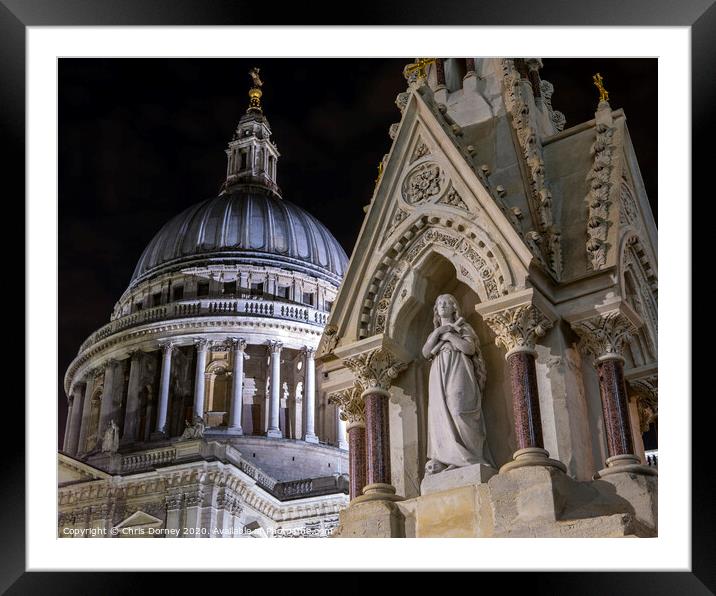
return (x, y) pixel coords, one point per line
(249, 224)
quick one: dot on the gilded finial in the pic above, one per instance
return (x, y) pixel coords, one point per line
(255, 92)
(418, 68)
(380, 172)
(599, 84)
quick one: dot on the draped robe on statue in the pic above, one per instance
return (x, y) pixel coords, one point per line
(456, 428)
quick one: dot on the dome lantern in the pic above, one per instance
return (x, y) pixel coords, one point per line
(251, 155)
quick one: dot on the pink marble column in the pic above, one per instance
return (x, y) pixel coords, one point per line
(377, 436)
(612, 388)
(525, 399)
(356, 460)
(604, 337)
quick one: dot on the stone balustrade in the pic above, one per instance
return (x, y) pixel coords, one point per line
(252, 307)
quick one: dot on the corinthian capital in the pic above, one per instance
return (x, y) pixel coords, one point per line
(376, 368)
(604, 335)
(518, 327)
(274, 346)
(352, 407)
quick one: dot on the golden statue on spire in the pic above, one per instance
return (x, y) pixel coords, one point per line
(417, 69)
(255, 92)
(599, 84)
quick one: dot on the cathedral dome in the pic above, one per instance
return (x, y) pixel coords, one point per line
(247, 224)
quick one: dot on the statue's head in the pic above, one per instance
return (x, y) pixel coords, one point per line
(446, 306)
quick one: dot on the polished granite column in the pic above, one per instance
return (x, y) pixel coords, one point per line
(375, 370)
(351, 408)
(604, 337)
(516, 329)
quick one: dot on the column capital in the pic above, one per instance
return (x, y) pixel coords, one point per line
(202, 345)
(350, 403)
(238, 344)
(604, 335)
(646, 390)
(274, 346)
(376, 368)
(167, 346)
(517, 328)
(110, 362)
(308, 352)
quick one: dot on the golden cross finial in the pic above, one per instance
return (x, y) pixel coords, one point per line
(599, 83)
(419, 67)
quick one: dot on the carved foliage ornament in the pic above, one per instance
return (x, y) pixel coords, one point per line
(422, 183)
(598, 197)
(375, 369)
(647, 400)
(518, 327)
(605, 335)
(549, 249)
(352, 407)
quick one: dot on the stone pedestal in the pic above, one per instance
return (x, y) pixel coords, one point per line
(371, 519)
(465, 476)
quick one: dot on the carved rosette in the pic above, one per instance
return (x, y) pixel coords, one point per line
(421, 150)
(518, 328)
(647, 400)
(375, 369)
(605, 335)
(424, 182)
(352, 407)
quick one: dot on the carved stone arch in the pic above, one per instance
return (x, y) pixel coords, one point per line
(479, 262)
(217, 367)
(638, 286)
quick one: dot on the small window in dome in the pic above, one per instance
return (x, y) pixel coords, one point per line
(243, 160)
(308, 298)
(138, 306)
(202, 289)
(329, 305)
(177, 293)
(282, 292)
(156, 299)
(230, 287)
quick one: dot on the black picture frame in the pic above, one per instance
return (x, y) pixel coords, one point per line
(17, 15)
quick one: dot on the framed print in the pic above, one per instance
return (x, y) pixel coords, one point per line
(299, 287)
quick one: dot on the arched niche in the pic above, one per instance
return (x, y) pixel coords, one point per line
(410, 322)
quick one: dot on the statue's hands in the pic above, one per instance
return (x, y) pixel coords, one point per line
(440, 331)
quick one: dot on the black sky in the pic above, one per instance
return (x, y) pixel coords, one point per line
(142, 139)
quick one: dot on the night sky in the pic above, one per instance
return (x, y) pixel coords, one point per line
(142, 139)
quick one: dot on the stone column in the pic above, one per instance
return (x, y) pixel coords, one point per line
(375, 370)
(86, 412)
(202, 347)
(352, 411)
(75, 422)
(604, 336)
(341, 431)
(237, 392)
(274, 430)
(68, 421)
(516, 329)
(309, 392)
(106, 410)
(163, 405)
(131, 414)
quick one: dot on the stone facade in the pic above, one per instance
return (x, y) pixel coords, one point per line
(545, 237)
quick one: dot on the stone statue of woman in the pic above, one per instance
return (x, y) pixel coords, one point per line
(456, 427)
